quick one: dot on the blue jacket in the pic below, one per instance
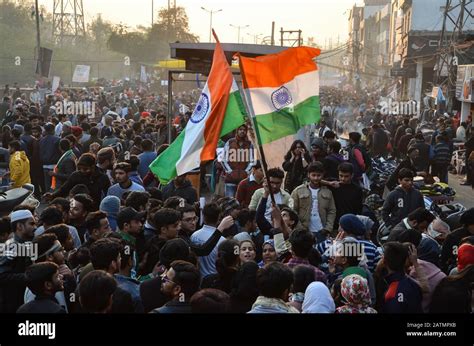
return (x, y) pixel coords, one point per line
(146, 159)
(49, 150)
(403, 295)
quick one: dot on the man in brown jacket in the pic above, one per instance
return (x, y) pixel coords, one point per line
(314, 203)
(238, 160)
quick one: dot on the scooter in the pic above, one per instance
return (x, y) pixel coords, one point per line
(9, 199)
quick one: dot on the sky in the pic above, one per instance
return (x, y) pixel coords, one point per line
(321, 19)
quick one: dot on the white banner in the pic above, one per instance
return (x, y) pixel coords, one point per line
(55, 84)
(143, 74)
(81, 74)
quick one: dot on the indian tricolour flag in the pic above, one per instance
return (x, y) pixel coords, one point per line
(283, 90)
(219, 111)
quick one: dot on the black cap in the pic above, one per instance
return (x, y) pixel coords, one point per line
(128, 214)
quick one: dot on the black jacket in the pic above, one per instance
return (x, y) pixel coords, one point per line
(399, 204)
(49, 150)
(422, 162)
(42, 305)
(151, 295)
(66, 167)
(12, 280)
(187, 191)
(348, 199)
(98, 183)
(450, 246)
(174, 307)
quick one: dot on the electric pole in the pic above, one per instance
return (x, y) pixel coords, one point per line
(39, 57)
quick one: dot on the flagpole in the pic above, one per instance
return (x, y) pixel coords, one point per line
(249, 107)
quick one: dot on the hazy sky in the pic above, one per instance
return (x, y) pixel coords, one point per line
(320, 19)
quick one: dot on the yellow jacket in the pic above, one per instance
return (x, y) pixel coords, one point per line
(19, 169)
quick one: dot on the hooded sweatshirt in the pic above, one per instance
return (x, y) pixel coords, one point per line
(264, 305)
(19, 169)
(433, 275)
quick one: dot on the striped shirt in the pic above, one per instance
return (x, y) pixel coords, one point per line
(442, 153)
(371, 251)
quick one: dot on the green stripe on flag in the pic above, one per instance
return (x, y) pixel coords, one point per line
(287, 121)
(164, 166)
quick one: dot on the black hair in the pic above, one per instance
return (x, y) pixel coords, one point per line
(346, 167)
(51, 216)
(315, 167)
(96, 290)
(211, 213)
(244, 287)
(227, 257)
(79, 189)
(303, 275)
(64, 144)
(275, 173)
(137, 199)
(355, 136)
(104, 251)
(85, 200)
(134, 161)
(187, 208)
(165, 217)
(245, 216)
(39, 273)
(302, 242)
(93, 220)
(147, 145)
(63, 202)
(330, 135)
(335, 147)
(124, 166)
(420, 215)
(293, 215)
(61, 231)
(15, 144)
(405, 173)
(173, 202)
(395, 256)
(44, 242)
(172, 250)
(94, 132)
(85, 126)
(409, 236)
(187, 276)
(274, 279)
(210, 301)
(293, 147)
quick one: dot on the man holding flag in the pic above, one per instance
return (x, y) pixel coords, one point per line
(218, 112)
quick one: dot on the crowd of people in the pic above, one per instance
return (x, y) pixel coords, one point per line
(300, 238)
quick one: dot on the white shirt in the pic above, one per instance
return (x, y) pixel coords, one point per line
(268, 210)
(58, 129)
(315, 224)
(207, 264)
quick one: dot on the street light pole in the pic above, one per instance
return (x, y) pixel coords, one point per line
(238, 27)
(211, 12)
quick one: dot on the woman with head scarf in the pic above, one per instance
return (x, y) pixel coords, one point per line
(269, 253)
(355, 291)
(318, 300)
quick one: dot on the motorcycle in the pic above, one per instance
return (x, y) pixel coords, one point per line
(9, 199)
(449, 213)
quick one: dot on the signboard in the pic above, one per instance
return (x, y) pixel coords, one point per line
(55, 84)
(465, 83)
(423, 45)
(81, 74)
(43, 64)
